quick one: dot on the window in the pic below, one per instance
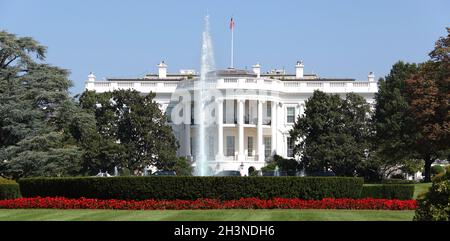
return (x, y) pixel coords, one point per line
(211, 149)
(290, 147)
(191, 147)
(169, 114)
(290, 114)
(235, 111)
(192, 114)
(269, 109)
(230, 146)
(250, 145)
(267, 146)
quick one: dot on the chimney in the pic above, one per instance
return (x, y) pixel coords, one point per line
(91, 77)
(371, 77)
(257, 70)
(162, 70)
(299, 69)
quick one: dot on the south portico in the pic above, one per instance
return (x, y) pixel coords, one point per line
(246, 133)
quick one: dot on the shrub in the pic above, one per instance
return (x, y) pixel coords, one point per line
(437, 169)
(9, 189)
(435, 205)
(191, 188)
(252, 171)
(388, 191)
(397, 181)
(269, 167)
(286, 167)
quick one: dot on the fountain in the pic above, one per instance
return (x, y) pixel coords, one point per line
(200, 101)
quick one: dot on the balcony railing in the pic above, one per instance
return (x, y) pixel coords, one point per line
(238, 83)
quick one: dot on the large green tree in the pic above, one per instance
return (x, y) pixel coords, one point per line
(429, 97)
(332, 134)
(412, 117)
(393, 124)
(34, 101)
(133, 132)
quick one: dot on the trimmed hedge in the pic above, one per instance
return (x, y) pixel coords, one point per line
(192, 188)
(388, 191)
(9, 191)
(397, 181)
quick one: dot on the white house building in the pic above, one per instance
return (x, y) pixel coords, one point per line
(253, 113)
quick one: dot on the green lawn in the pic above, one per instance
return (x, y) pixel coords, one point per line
(421, 188)
(204, 215)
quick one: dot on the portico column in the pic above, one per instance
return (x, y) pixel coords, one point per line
(241, 155)
(273, 127)
(187, 128)
(219, 115)
(260, 132)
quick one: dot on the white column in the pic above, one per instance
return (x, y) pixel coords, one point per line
(187, 128)
(219, 115)
(241, 155)
(274, 127)
(260, 132)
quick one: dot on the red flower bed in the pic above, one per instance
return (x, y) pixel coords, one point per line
(243, 203)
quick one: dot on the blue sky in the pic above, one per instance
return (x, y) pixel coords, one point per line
(129, 38)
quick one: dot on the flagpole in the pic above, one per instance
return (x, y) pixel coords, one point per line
(232, 46)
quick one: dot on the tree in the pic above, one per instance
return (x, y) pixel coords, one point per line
(181, 166)
(33, 106)
(393, 124)
(135, 124)
(103, 152)
(333, 133)
(429, 96)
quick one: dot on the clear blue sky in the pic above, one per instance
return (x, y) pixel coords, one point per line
(128, 38)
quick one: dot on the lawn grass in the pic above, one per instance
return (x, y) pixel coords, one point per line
(421, 188)
(203, 215)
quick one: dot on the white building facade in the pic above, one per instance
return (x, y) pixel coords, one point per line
(252, 111)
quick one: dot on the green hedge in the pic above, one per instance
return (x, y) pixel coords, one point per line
(398, 181)
(9, 191)
(168, 187)
(388, 191)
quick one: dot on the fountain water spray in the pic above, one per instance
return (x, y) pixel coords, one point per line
(201, 98)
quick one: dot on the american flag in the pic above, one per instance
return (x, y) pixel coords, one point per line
(231, 24)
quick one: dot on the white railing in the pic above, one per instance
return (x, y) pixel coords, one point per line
(292, 84)
(361, 84)
(170, 84)
(337, 84)
(250, 158)
(124, 85)
(239, 83)
(314, 84)
(230, 158)
(230, 80)
(148, 84)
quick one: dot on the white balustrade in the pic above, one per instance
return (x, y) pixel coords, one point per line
(239, 83)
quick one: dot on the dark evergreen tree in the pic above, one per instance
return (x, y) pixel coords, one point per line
(33, 112)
